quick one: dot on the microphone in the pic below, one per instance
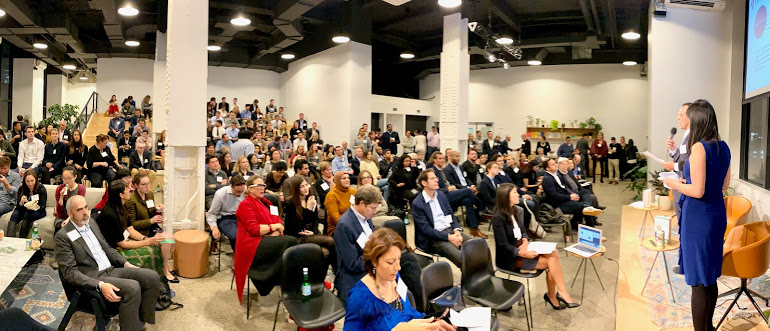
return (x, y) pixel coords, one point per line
(673, 132)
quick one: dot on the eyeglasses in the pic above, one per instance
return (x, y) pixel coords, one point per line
(366, 177)
(257, 185)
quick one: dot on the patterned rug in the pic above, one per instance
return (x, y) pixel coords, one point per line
(669, 311)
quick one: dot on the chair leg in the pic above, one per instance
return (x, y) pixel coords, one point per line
(219, 255)
(754, 302)
(248, 297)
(275, 319)
(754, 293)
(530, 320)
(737, 296)
(101, 324)
(70, 311)
(232, 280)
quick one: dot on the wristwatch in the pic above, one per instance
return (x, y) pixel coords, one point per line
(99, 286)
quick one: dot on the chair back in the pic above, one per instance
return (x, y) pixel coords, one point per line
(436, 278)
(295, 258)
(398, 226)
(737, 212)
(69, 289)
(747, 251)
(476, 268)
(273, 199)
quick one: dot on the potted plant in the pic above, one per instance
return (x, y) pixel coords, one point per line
(538, 121)
(530, 120)
(598, 127)
(582, 126)
(69, 113)
(563, 125)
(590, 122)
(638, 182)
(554, 125)
(661, 191)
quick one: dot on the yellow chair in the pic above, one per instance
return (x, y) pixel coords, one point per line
(737, 212)
(746, 255)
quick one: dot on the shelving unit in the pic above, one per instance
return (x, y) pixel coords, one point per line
(575, 133)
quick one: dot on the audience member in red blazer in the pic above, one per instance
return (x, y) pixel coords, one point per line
(260, 239)
(599, 151)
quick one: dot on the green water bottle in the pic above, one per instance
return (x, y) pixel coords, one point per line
(406, 219)
(34, 231)
(305, 283)
(158, 189)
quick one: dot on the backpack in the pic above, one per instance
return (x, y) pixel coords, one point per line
(164, 297)
(548, 214)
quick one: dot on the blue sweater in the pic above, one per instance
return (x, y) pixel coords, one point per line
(365, 311)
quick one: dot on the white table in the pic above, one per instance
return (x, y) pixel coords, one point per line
(11, 264)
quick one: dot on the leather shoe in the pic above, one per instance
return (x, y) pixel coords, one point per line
(601, 207)
(675, 269)
(478, 233)
(174, 280)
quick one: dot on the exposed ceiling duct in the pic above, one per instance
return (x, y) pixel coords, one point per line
(286, 19)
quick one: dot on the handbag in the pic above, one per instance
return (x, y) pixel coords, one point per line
(534, 226)
(451, 298)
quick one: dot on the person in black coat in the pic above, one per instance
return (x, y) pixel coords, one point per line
(145, 162)
(559, 196)
(100, 162)
(471, 168)
(488, 186)
(490, 146)
(125, 145)
(301, 219)
(53, 159)
(402, 183)
(511, 244)
(390, 140)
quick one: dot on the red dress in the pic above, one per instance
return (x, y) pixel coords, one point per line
(113, 109)
(251, 214)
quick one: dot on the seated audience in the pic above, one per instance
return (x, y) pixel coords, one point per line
(31, 151)
(338, 200)
(370, 165)
(140, 126)
(41, 134)
(559, 196)
(25, 215)
(403, 183)
(261, 242)
(243, 168)
(322, 186)
(511, 244)
(274, 179)
(76, 153)
(66, 190)
(566, 149)
(301, 219)
(374, 303)
(141, 161)
(147, 106)
(6, 148)
(341, 162)
(116, 127)
(125, 145)
(100, 267)
(223, 144)
(101, 162)
(459, 196)
(531, 178)
(471, 168)
(489, 185)
(225, 203)
(144, 137)
(435, 226)
(53, 159)
(275, 158)
(226, 163)
(122, 174)
(215, 178)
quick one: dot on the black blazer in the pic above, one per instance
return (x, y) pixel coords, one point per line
(350, 261)
(424, 232)
(487, 192)
(555, 194)
(134, 163)
(386, 144)
(293, 224)
(452, 178)
(489, 150)
(402, 176)
(471, 170)
(506, 243)
(55, 153)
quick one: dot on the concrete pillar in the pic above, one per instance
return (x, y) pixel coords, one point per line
(159, 100)
(186, 74)
(56, 90)
(455, 71)
(28, 84)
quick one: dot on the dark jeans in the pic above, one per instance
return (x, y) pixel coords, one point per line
(603, 164)
(24, 218)
(465, 197)
(45, 174)
(97, 176)
(228, 225)
(448, 250)
(430, 151)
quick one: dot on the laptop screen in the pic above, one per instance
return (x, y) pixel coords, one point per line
(590, 236)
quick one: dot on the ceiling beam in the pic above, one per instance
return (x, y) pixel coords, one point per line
(503, 10)
(395, 41)
(21, 13)
(241, 8)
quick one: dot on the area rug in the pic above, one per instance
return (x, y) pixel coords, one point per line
(669, 311)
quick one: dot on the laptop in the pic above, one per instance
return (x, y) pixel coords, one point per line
(589, 241)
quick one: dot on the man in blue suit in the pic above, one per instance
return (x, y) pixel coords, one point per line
(390, 140)
(353, 230)
(436, 227)
(458, 196)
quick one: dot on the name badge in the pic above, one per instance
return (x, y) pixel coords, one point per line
(246, 177)
(150, 203)
(599, 145)
(64, 190)
(517, 232)
(219, 178)
(366, 141)
(465, 174)
(125, 234)
(104, 154)
(401, 289)
(362, 240)
(64, 137)
(73, 235)
(392, 139)
(35, 197)
(160, 144)
(352, 200)
(409, 169)
(54, 152)
(682, 149)
(516, 170)
(274, 210)
(325, 186)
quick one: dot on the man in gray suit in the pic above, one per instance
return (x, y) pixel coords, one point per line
(679, 155)
(583, 146)
(86, 260)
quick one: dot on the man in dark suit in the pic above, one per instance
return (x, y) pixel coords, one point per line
(224, 105)
(504, 148)
(390, 140)
(459, 196)
(490, 147)
(455, 175)
(302, 122)
(471, 168)
(435, 226)
(526, 146)
(559, 196)
(64, 133)
(353, 230)
(141, 160)
(53, 158)
(313, 129)
(583, 146)
(87, 261)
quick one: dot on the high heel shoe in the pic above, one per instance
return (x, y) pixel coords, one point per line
(568, 304)
(548, 301)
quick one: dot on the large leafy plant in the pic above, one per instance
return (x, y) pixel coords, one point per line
(69, 113)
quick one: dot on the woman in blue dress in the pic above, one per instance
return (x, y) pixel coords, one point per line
(377, 302)
(706, 176)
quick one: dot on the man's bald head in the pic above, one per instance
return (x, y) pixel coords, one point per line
(77, 209)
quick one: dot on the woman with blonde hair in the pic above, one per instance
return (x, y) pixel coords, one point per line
(242, 166)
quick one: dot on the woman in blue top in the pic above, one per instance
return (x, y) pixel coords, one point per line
(374, 303)
(706, 177)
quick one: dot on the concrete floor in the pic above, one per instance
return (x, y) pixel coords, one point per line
(210, 304)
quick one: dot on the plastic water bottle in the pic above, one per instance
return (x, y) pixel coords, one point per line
(406, 219)
(34, 231)
(158, 189)
(305, 283)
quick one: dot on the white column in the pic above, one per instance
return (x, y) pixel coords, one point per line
(56, 90)
(28, 89)
(159, 97)
(455, 71)
(186, 74)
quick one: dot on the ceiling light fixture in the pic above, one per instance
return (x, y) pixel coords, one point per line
(2, 12)
(407, 55)
(127, 10)
(340, 39)
(629, 63)
(534, 62)
(240, 21)
(40, 45)
(449, 3)
(288, 56)
(504, 41)
(491, 57)
(69, 66)
(631, 35)
(213, 47)
(132, 43)
(83, 77)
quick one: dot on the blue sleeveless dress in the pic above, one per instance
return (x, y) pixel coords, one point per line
(704, 220)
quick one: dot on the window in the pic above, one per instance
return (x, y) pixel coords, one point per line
(755, 142)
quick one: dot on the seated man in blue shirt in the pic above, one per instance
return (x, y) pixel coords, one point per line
(221, 214)
(117, 125)
(436, 228)
(341, 163)
(566, 149)
(459, 196)
(223, 143)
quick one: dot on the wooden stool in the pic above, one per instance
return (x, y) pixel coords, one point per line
(660, 248)
(584, 265)
(191, 253)
(647, 212)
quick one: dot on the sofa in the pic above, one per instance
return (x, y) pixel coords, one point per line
(45, 224)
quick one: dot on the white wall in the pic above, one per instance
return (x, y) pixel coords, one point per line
(616, 95)
(28, 89)
(78, 94)
(123, 77)
(244, 84)
(56, 90)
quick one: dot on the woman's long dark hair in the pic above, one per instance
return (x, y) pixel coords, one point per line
(114, 191)
(401, 161)
(24, 188)
(294, 185)
(79, 146)
(503, 201)
(703, 123)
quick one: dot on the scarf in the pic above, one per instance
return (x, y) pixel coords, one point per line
(338, 182)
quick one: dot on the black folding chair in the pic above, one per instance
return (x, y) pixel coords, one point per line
(89, 301)
(399, 227)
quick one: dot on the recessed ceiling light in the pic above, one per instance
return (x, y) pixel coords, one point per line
(69, 66)
(132, 43)
(240, 21)
(449, 3)
(340, 39)
(629, 63)
(407, 55)
(2, 12)
(534, 62)
(40, 45)
(127, 10)
(631, 35)
(213, 47)
(287, 56)
(83, 77)
(504, 41)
